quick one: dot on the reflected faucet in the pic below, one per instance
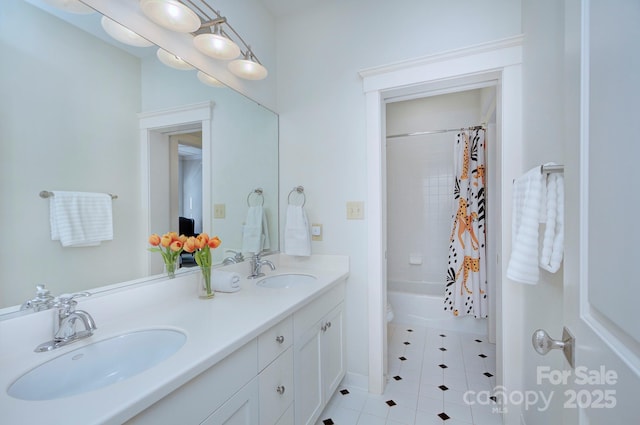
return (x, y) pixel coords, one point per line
(42, 301)
(64, 324)
(256, 266)
(237, 257)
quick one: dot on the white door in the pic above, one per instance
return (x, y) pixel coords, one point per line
(602, 237)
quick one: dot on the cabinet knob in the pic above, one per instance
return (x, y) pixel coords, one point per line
(280, 389)
(280, 339)
(328, 324)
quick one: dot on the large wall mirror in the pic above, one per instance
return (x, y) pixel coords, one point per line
(70, 120)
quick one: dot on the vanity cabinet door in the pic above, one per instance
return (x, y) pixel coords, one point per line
(333, 362)
(276, 388)
(308, 376)
(241, 409)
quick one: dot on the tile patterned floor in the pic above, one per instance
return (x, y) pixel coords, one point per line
(430, 370)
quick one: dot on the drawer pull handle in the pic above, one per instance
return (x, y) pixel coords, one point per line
(325, 327)
(279, 339)
(280, 389)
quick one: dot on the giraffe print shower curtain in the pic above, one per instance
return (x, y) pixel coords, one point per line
(466, 287)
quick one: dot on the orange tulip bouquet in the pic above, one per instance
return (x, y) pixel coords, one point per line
(170, 245)
(201, 247)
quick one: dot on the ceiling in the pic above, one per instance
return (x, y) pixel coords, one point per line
(285, 7)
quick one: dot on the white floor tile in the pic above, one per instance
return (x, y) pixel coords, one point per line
(417, 397)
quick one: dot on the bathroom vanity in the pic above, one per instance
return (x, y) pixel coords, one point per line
(265, 355)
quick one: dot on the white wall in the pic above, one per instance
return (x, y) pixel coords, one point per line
(67, 122)
(420, 178)
(322, 109)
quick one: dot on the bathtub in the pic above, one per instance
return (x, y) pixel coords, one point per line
(422, 304)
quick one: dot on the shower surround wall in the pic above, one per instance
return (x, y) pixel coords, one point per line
(420, 198)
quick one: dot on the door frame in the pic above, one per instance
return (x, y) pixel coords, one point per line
(500, 60)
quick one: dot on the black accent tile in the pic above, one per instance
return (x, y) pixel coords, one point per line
(442, 349)
(484, 356)
(443, 416)
(328, 422)
(487, 374)
(409, 330)
(397, 378)
(406, 343)
(443, 335)
(493, 398)
(443, 366)
(344, 392)
(391, 403)
(403, 358)
(478, 340)
(443, 387)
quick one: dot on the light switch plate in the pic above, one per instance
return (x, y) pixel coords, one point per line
(355, 210)
(219, 210)
(316, 232)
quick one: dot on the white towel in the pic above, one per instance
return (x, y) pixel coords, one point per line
(553, 241)
(80, 218)
(527, 197)
(297, 238)
(255, 232)
(224, 281)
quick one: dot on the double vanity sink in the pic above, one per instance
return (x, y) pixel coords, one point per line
(150, 340)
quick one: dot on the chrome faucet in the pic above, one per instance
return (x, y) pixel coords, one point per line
(64, 324)
(256, 266)
(237, 257)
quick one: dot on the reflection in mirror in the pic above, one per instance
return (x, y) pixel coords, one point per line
(70, 121)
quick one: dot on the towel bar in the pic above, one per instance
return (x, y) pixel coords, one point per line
(47, 194)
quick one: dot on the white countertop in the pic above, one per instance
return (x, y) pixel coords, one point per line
(214, 328)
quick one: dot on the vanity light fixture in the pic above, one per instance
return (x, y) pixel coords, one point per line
(248, 67)
(73, 6)
(216, 43)
(123, 34)
(171, 14)
(209, 80)
(172, 60)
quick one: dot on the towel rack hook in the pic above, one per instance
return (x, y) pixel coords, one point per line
(298, 192)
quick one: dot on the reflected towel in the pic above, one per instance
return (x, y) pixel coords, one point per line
(527, 198)
(80, 218)
(255, 232)
(224, 281)
(297, 238)
(553, 240)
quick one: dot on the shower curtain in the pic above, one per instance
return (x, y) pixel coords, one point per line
(466, 288)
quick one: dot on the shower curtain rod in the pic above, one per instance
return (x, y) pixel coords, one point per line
(421, 133)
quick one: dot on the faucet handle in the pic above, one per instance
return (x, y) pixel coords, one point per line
(68, 300)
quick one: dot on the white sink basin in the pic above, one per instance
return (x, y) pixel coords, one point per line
(286, 280)
(98, 365)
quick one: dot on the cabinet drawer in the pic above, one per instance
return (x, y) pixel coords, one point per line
(274, 342)
(276, 388)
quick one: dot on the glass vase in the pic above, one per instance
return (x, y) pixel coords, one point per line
(205, 290)
(171, 267)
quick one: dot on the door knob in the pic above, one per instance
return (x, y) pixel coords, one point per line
(543, 343)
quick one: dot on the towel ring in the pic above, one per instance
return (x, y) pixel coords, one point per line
(298, 192)
(258, 196)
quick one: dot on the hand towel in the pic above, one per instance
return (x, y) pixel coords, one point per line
(553, 240)
(253, 230)
(527, 197)
(224, 281)
(80, 218)
(297, 238)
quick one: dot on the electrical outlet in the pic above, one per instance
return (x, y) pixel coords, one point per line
(219, 210)
(355, 210)
(316, 232)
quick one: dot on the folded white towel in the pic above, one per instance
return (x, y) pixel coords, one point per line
(253, 231)
(297, 238)
(80, 218)
(553, 241)
(224, 281)
(527, 196)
